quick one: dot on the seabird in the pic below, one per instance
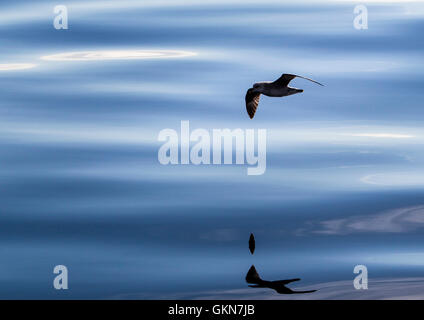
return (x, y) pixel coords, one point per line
(279, 285)
(252, 243)
(278, 88)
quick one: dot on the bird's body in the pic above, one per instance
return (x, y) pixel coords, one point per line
(272, 89)
(278, 88)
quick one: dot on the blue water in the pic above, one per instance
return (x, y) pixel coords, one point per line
(81, 185)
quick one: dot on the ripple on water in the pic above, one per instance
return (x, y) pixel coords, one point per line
(16, 66)
(118, 55)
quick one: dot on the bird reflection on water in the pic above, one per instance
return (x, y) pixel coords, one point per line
(278, 285)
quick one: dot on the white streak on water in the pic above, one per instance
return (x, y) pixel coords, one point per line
(118, 55)
(16, 66)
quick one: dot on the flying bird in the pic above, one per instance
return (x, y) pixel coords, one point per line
(252, 243)
(279, 285)
(278, 88)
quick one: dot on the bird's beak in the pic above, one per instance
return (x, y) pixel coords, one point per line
(299, 90)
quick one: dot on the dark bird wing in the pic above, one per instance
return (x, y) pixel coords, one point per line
(285, 290)
(306, 291)
(285, 79)
(252, 101)
(252, 243)
(283, 282)
(252, 276)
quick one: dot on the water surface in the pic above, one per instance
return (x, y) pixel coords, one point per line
(81, 185)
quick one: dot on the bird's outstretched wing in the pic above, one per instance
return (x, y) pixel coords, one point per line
(305, 291)
(283, 282)
(285, 79)
(252, 101)
(253, 276)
